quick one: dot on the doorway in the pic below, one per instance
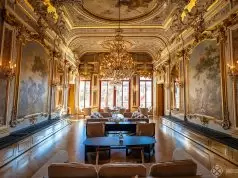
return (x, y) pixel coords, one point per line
(159, 99)
(71, 99)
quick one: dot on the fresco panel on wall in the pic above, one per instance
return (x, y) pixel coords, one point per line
(205, 80)
(33, 80)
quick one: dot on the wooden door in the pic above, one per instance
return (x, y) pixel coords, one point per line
(159, 99)
(71, 98)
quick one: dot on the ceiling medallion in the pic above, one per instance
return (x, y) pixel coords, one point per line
(130, 9)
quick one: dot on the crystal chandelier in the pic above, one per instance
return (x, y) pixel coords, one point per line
(118, 63)
(8, 71)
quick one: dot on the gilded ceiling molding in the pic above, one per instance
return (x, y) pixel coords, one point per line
(56, 24)
(83, 44)
(23, 33)
(194, 19)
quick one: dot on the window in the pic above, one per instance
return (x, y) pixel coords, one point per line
(84, 100)
(176, 94)
(115, 95)
(145, 93)
(122, 95)
(107, 95)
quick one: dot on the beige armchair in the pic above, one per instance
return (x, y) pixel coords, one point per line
(144, 129)
(71, 170)
(96, 129)
(174, 169)
(87, 112)
(125, 170)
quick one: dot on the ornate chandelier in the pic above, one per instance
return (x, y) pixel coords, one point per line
(118, 63)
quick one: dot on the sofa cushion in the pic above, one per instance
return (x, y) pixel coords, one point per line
(96, 115)
(125, 170)
(135, 114)
(127, 114)
(174, 168)
(106, 114)
(71, 170)
(138, 115)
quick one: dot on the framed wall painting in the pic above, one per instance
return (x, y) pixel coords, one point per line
(234, 60)
(33, 81)
(6, 55)
(204, 76)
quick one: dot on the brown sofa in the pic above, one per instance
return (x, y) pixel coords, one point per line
(125, 170)
(182, 168)
(107, 119)
(71, 170)
(107, 116)
(173, 169)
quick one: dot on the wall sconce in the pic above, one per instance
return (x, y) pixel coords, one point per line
(180, 83)
(8, 71)
(233, 70)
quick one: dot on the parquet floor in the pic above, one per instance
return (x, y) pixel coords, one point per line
(71, 140)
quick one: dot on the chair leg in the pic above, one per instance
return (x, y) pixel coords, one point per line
(85, 154)
(97, 157)
(142, 156)
(149, 152)
(109, 153)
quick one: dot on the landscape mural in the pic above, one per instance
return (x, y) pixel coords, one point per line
(33, 80)
(205, 80)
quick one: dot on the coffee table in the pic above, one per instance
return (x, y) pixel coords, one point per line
(116, 143)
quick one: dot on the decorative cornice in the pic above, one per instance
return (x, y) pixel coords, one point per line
(56, 24)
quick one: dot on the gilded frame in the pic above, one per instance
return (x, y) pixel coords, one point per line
(224, 121)
(234, 80)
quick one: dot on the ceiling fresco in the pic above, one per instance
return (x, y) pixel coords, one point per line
(150, 25)
(106, 12)
(129, 9)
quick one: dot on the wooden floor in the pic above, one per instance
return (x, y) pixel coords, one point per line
(71, 140)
